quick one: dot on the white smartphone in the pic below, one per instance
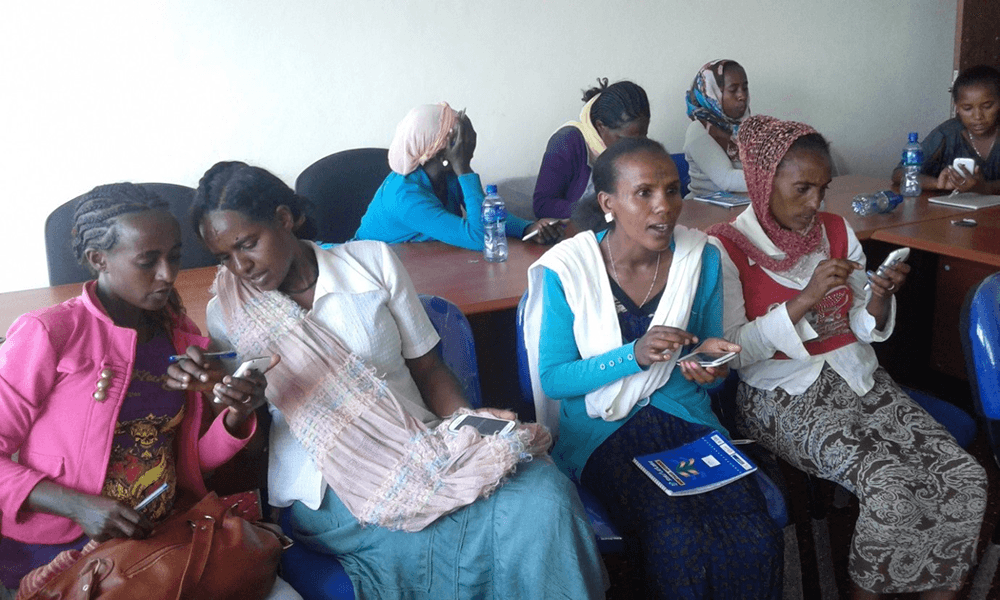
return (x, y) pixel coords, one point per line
(968, 163)
(895, 257)
(254, 364)
(708, 359)
(484, 425)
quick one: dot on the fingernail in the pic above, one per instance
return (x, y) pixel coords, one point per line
(204, 377)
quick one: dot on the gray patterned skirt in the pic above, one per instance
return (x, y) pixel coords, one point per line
(921, 496)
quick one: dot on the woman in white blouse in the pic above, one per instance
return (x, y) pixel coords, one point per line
(718, 100)
(812, 390)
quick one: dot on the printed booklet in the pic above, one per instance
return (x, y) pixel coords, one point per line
(705, 464)
(727, 199)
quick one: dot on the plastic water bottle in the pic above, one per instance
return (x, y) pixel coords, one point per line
(913, 159)
(494, 226)
(879, 202)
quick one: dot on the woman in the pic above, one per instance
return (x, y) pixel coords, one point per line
(812, 391)
(718, 100)
(610, 113)
(87, 399)
(607, 349)
(347, 462)
(972, 133)
(433, 193)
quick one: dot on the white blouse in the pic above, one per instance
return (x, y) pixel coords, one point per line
(367, 300)
(774, 331)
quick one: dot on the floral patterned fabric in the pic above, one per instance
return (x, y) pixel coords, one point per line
(921, 496)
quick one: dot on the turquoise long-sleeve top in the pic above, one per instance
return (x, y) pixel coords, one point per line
(566, 376)
(405, 209)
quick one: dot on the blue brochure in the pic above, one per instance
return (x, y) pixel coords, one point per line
(705, 464)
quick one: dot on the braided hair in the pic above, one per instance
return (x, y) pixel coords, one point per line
(620, 103)
(251, 191)
(95, 226)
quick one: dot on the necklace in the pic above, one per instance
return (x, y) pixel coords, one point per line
(614, 272)
(312, 283)
(976, 150)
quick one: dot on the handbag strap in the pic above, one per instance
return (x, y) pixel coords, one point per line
(201, 547)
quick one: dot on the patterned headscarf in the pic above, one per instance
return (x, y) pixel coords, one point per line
(704, 99)
(763, 143)
(422, 133)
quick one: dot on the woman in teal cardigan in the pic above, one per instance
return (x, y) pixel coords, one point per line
(433, 193)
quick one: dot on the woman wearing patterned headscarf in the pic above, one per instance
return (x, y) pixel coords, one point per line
(718, 100)
(433, 193)
(812, 390)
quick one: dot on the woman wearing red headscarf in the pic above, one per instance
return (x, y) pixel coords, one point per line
(812, 390)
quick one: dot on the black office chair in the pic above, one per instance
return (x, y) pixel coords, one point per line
(341, 186)
(63, 267)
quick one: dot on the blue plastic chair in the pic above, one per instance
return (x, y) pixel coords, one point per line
(319, 576)
(980, 333)
(682, 170)
(776, 506)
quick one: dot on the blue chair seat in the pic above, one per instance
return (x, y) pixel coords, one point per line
(958, 422)
(314, 575)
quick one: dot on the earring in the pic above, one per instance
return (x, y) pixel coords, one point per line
(608, 217)
(444, 163)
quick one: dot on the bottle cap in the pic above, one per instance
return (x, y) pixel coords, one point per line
(491, 189)
(913, 136)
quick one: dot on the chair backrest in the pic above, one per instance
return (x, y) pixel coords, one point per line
(341, 186)
(526, 404)
(457, 347)
(62, 264)
(682, 170)
(980, 333)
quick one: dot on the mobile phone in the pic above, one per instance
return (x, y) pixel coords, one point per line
(708, 359)
(254, 364)
(484, 425)
(895, 257)
(968, 163)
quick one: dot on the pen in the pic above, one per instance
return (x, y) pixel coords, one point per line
(535, 232)
(953, 193)
(227, 354)
(149, 499)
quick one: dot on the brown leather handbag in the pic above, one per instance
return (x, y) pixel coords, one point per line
(209, 552)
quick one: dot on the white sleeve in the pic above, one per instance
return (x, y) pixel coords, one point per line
(416, 332)
(862, 322)
(700, 148)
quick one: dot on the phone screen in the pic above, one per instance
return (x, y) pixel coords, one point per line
(485, 425)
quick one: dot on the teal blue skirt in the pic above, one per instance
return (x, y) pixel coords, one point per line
(530, 539)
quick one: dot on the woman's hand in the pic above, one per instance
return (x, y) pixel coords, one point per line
(544, 231)
(659, 343)
(197, 372)
(829, 273)
(100, 518)
(461, 146)
(692, 371)
(891, 280)
(963, 181)
(242, 396)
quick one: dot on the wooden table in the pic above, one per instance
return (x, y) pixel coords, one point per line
(979, 244)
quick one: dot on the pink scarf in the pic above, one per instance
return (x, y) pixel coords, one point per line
(386, 466)
(422, 133)
(763, 143)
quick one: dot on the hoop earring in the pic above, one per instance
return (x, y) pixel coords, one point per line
(608, 217)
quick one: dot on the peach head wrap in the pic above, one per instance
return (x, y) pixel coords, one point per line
(422, 133)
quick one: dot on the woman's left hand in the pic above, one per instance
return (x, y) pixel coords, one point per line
(548, 231)
(692, 371)
(961, 181)
(893, 278)
(242, 395)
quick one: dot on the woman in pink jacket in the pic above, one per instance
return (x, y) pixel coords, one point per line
(87, 402)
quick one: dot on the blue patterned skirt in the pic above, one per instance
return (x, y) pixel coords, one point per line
(720, 544)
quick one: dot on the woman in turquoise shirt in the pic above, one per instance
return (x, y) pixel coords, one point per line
(433, 193)
(606, 319)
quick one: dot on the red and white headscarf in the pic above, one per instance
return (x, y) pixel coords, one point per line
(422, 133)
(763, 143)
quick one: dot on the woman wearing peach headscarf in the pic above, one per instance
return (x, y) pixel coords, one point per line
(433, 193)
(812, 391)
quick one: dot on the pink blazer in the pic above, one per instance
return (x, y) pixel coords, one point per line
(49, 368)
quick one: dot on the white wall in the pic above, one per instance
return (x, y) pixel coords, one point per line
(108, 90)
